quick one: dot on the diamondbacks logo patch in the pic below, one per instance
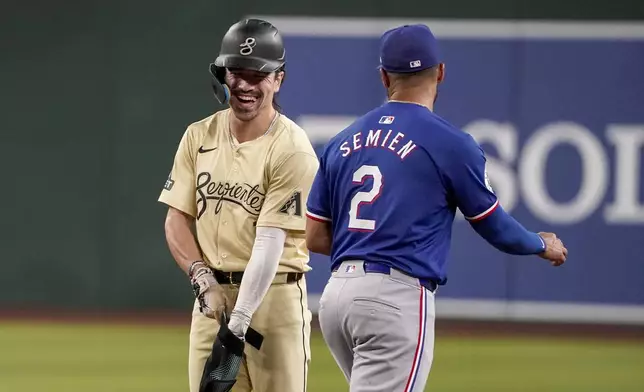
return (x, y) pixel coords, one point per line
(293, 206)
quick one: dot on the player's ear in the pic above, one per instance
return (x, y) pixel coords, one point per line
(279, 78)
(441, 72)
(384, 78)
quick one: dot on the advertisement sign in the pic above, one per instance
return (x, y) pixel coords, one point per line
(559, 110)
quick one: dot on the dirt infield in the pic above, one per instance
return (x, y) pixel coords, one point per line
(444, 327)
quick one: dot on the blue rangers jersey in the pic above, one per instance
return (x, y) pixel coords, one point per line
(390, 185)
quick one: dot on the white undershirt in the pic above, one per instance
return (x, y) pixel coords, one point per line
(258, 276)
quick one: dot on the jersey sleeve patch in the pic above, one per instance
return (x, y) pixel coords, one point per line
(178, 189)
(169, 183)
(292, 206)
(488, 185)
(469, 182)
(290, 185)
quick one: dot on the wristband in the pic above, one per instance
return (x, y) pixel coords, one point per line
(193, 265)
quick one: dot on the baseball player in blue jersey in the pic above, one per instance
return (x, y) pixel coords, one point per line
(382, 206)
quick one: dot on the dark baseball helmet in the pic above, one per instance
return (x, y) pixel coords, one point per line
(252, 44)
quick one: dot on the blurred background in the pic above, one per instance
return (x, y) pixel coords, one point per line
(96, 95)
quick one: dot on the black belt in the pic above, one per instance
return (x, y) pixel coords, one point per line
(235, 278)
(383, 269)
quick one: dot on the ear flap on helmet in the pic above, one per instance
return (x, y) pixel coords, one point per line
(218, 81)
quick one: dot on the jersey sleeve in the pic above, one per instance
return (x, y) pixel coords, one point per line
(179, 188)
(288, 189)
(470, 186)
(317, 205)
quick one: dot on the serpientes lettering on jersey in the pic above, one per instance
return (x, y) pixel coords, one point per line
(248, 196)
(390, 140)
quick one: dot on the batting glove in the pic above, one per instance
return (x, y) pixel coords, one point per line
(209, 293)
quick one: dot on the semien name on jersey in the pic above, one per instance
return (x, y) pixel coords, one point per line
(391, 140)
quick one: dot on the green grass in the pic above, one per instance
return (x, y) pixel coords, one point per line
(70, 358)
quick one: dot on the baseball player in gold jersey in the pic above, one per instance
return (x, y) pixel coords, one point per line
(241, 177)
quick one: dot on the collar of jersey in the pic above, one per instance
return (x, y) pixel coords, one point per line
(235, 143)
(408, 102)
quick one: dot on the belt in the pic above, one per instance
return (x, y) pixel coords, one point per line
(384, 269)
(235, 278)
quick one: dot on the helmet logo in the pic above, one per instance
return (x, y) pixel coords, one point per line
(247, 46)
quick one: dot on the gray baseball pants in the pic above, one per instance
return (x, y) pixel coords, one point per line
(379, 328)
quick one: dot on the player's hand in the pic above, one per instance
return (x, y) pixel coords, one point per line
(209, 293)
(222, 365)
(555, 251)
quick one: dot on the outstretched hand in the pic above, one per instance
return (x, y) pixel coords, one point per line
(555, 251)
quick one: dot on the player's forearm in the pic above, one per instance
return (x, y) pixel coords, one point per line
(321, 245)
(506, 234)
(318, 237)
(258, 276)
(181, 240)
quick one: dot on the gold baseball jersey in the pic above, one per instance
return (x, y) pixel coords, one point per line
(231, 188)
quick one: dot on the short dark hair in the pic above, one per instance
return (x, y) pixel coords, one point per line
(276, 105)
(425, 73)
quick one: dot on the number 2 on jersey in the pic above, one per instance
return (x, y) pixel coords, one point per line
(359, 198)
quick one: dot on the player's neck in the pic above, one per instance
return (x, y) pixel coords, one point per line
(420, 98)
(245, 131)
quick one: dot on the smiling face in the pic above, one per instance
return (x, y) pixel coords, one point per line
(251, 91)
